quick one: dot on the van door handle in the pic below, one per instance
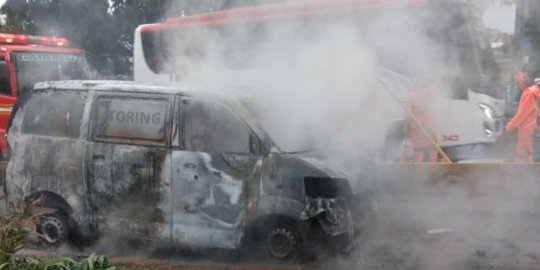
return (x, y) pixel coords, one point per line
(99, 157)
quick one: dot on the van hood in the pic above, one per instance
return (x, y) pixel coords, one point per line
(324, 168)
(286, 175)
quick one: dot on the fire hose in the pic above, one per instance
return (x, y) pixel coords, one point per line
(415, 120)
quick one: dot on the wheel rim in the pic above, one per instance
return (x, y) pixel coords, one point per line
(281, 243)
(53, 229)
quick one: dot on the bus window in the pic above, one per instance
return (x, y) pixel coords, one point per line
(172, 51)
(5, 85)
(151, 48)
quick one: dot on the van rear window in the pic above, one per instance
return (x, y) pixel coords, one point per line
(130, 118)
(56, 114)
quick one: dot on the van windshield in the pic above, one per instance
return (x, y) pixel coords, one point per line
(33, 67)
(249, 114)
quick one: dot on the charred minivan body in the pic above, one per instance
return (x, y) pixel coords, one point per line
(161, 163)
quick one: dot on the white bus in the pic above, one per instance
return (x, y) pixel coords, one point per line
(468, 119)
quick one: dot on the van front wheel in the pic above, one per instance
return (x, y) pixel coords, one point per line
(278, 240)
(282, 242)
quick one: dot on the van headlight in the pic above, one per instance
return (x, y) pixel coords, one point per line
(487, 111)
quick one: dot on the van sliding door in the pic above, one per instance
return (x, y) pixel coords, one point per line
(129, 157)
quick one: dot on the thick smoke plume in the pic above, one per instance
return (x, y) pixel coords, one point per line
(315, 83)
(321, 82)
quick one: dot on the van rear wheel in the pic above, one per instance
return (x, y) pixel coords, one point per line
(53, 230)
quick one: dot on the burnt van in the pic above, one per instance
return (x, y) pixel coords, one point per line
(160, 163)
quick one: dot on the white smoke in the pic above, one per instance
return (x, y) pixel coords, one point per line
(315, 85)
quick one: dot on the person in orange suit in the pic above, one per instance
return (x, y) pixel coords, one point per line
(525, 118)
(419, 106)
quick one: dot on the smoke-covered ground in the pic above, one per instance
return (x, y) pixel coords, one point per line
(406, 246)
(473, 216)
(403, 239)
(467, 216)
(459, 218)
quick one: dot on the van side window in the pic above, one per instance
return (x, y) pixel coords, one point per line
(57, 114)
(5, 85)
(210, 127)
(121, 118)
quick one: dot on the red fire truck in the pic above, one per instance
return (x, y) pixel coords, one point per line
(27, 59)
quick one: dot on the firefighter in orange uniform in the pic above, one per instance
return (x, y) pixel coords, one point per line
(525, 118)
(419, 105)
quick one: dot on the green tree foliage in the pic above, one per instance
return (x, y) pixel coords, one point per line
(83, 22)
(103, 28)
(14, 13)
(126, 15)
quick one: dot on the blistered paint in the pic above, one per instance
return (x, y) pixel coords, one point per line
(209, 194)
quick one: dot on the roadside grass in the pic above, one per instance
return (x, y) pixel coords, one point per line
(93, 262)
(17, 230)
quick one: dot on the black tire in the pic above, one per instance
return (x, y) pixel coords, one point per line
(277, 240)
(53, 230)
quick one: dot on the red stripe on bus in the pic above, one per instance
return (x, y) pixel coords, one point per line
(277, 11)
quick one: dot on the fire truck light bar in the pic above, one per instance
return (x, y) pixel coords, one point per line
(14, 39)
